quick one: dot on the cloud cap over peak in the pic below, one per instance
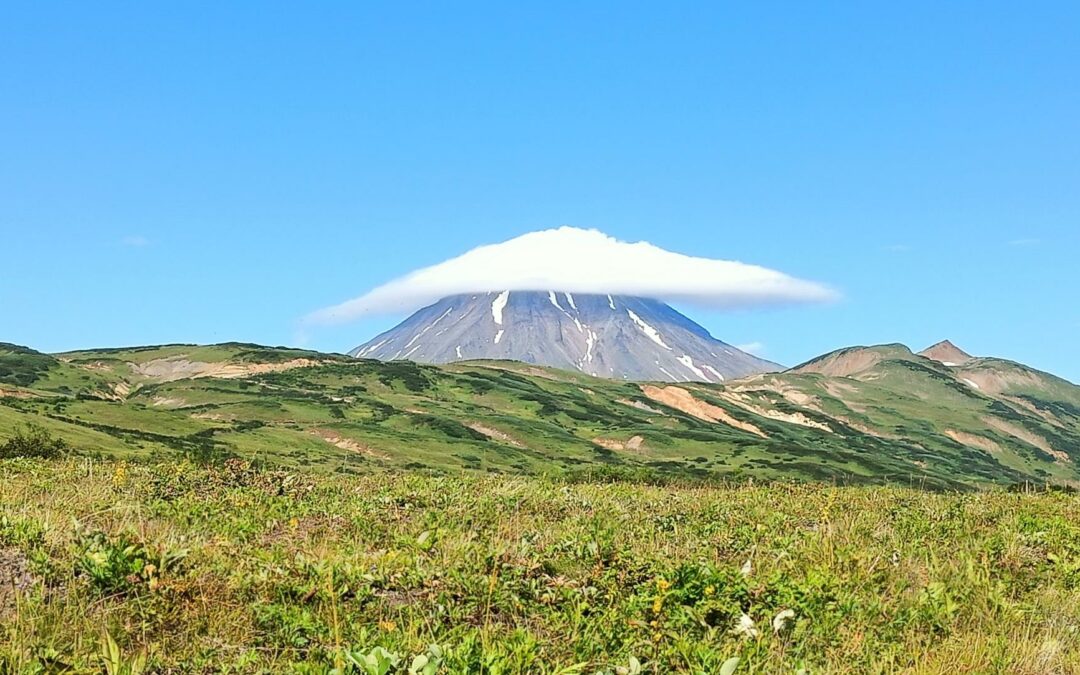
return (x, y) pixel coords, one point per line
(582, 261)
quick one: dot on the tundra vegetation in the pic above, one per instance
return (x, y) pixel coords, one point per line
(234, 508)
(120, 567)
(869, 415)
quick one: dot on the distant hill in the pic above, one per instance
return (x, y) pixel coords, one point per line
(620, 337)
(863, 414)
(947, 353)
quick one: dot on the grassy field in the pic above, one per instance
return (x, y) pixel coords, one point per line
(118, 567)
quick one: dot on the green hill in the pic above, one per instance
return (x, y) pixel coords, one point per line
(859, 415)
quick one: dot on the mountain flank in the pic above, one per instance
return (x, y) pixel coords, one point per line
(613, 336)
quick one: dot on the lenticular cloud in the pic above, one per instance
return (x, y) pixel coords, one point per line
(582, 261)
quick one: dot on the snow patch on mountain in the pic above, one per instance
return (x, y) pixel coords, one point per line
(653, 334)
(643, 340)
(498, 305)
(689, 363)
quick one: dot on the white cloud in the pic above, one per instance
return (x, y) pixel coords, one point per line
(1025, 242)
(582, 261)
(137, 241)
(755, 348)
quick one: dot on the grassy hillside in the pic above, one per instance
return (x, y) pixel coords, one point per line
(114, 567)
(861, 415)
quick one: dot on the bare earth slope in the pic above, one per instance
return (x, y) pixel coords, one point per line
(947, 353)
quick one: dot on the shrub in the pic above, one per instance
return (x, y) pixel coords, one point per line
(33, 441)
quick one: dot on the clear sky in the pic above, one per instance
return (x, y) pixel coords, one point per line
(203, 172)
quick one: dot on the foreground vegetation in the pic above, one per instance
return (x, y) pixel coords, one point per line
(109, 566)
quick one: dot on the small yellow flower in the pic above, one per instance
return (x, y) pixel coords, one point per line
(710, 591)
(387, 626)
(663, 584)
(657, 605)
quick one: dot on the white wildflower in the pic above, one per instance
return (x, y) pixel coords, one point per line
(745, 627)
(780, 621)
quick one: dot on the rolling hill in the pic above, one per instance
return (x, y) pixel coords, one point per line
(858, 415)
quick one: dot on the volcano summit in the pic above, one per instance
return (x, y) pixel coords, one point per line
(614, 336)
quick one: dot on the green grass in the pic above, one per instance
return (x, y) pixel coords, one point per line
(361, 517)
(234, 569)
(898, 421)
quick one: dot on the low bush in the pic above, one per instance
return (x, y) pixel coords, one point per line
(33, 441)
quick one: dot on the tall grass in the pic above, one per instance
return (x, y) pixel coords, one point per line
(121, 568)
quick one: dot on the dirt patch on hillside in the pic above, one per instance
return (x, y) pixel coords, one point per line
(109, 394)
(495, 434)
(995, 380)
(683, 400)
(798, 397)
(842, 391)
(524, 370)
(1035, 410)
(96, 366)
(169, 402)
(337, 440)
(179, 368)
(214, 417)
(1026, 436)
(634, 443)
(16, 393)
(838, 389)
(640, 406)
(862, 428)
(847, 364)
(15, 578)
(980, 442)
(947, 353)
(747, 403)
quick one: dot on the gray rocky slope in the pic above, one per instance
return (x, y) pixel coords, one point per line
(608, 336)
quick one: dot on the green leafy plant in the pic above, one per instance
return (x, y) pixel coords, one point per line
(427, 663)
(376, 661)
(122, 564)
(116, 663)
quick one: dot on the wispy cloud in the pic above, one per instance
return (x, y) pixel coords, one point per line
(1025, 242)
(898, 248)
(583, 261)
(135, 240)
(755, 348)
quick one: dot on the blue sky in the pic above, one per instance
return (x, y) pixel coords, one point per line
(214, 171)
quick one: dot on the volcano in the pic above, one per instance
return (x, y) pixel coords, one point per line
(612, 336)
